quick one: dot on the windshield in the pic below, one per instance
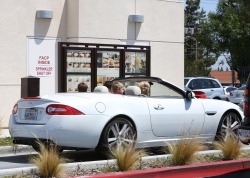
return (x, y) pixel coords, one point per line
(186, 81)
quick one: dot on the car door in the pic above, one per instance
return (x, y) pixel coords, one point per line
(170, 112)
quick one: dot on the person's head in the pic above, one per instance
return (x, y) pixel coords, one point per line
(117, 88)
(108, 84)
(82, 87)
(145, 87)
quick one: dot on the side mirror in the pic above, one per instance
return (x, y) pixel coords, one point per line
(190, 95)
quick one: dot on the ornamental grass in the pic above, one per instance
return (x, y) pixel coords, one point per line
(127, 157)
(183, 151)
(49, 161)
(230, 146)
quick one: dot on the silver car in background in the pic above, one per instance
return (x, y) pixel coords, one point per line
(210, 86)
(237, 95)
(228, 89)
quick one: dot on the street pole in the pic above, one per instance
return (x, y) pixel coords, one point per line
(232, 75)
(196, 51)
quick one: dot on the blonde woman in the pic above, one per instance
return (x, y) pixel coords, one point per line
(117, 88)
(145, 87)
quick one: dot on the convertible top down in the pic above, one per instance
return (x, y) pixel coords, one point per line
(101, 119)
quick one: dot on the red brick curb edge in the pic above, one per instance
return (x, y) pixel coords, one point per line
(188, 171)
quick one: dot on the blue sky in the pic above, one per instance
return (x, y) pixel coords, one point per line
(208, 5)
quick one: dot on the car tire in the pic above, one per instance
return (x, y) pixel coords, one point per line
(109, 137)
(216, 98)
(230, 121)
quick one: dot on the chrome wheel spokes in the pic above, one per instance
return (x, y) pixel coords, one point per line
(229, 124)
(120, 133)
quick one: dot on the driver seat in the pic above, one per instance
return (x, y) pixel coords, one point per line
(101, 89)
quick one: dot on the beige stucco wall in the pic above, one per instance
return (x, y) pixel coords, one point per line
(107, 22)
(18, 21)
(88, 21)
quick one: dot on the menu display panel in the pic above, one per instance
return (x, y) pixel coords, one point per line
(108, 66)
(135, 62)
(78, 61)
(74, 80)
(94, 64)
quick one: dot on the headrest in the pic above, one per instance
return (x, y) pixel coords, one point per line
(133, 90)
(102, 89)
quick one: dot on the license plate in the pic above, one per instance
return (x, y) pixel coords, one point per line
(30, 114)
(244, 133)
(237, 95)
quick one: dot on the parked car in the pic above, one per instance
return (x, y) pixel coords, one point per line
(210, 86)
(237, 95)
(101, 119)
(244, 129)
(228, 89)
(198, 94)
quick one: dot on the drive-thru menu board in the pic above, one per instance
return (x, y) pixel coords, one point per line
(135, 62)
(78, 69)
(108, 66)
(94, 64)
(74, 80)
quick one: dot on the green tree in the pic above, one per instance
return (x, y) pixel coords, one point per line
(193, 17)
(227, 31)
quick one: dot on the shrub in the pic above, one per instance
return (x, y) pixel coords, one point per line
(127, 156)
(48, 161)
(230, 146)
(183, 151)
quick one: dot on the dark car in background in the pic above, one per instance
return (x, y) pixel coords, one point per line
(244, 129)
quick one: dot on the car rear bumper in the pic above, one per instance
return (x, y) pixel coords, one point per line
(244, 134)
(234, 100)
(68, 131)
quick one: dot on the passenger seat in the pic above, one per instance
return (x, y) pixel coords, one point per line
(133, 90)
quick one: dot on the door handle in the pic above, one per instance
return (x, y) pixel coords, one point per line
(158, 107)
(212, 90)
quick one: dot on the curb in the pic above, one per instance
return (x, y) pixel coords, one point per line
(189, 171)
(19, 149)
(101, 164)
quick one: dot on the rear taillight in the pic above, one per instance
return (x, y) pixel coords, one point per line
(245, 108)
(200, 94)
(31, 98)
(59, 109)
(246, 91)
(231, 94)
(15, 108)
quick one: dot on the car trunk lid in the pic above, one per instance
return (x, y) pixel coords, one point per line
(32, 110)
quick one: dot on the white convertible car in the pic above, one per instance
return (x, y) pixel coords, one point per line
(100, 119)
